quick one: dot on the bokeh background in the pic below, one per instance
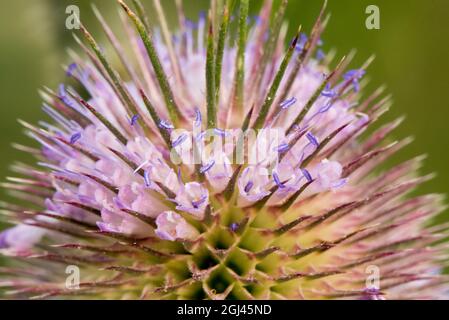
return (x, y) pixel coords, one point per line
(412, 51)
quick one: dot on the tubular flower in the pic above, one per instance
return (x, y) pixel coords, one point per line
(216, 163)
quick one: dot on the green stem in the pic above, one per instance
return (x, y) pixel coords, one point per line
(140, 9)
(210, 79)
(270, 45)
(146, 37)
(117, 83)
(240, 61)
(220, 52)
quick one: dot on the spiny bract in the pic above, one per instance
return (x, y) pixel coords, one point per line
(117, 193)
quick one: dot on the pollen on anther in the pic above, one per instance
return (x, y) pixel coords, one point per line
(74, 138)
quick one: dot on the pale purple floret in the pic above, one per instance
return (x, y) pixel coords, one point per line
(218, 171)
(122, 223)
(258, 178)
(20, 238)
(193, 198)
(172, 226)
(328, 176)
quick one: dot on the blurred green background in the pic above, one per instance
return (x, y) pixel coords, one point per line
(412, 51)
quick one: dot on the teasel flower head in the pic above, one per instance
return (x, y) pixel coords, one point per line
(129, 187)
